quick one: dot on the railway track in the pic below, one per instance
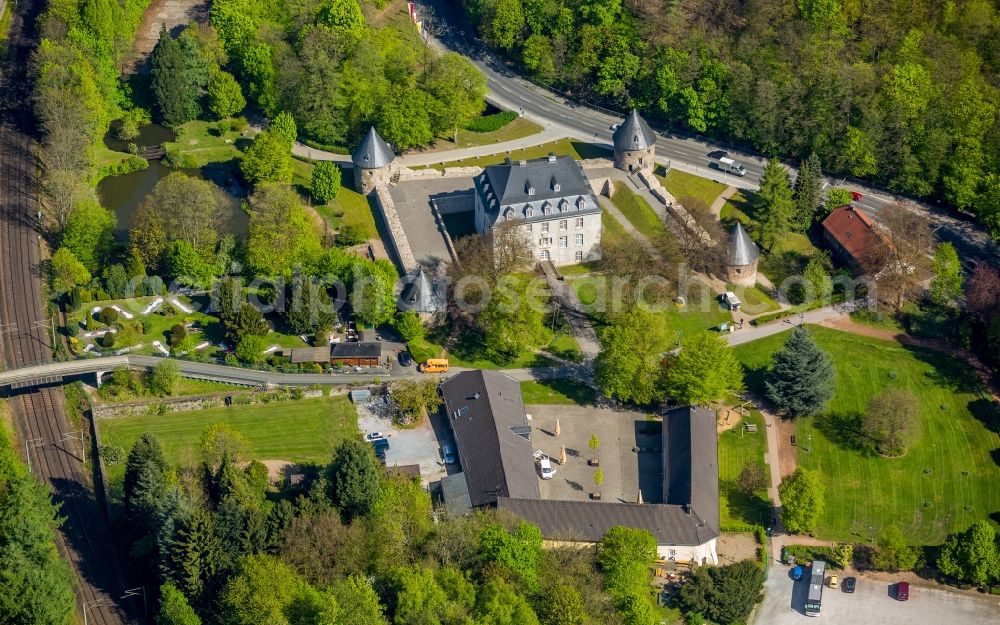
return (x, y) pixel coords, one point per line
(52, 450)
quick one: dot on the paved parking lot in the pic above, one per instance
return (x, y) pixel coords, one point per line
(417, 445)
(872, 604)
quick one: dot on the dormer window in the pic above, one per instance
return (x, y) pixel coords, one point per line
(546, 208)
(555, 185)
(528, 211)
(580, 203)
(528, 188)
(508, 214)
(563, 206)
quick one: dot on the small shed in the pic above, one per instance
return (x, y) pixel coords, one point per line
(360, 395)
(356, 354)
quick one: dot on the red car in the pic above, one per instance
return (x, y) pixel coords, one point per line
(902, 591)
(857, 197)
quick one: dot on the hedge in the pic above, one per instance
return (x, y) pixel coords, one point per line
(125, 166)
(491, 123)
(750, 528)
(810, 552)
(326, 147)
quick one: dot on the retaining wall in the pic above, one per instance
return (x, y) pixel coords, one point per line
(400, 244)
(167, 405)
(675, 207)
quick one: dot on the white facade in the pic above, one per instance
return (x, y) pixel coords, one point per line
(567, 238)
(697, 554)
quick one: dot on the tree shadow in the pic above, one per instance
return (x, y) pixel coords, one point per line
(589, 150)
(748, 508)
(844, 430)
(987, 412)
(754, 378)
(995, 454)
(948, 371)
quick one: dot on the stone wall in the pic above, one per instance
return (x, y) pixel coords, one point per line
(602, 186)
(673, 206)
(405, 173)
(596, 163)
(397, 237)
(366, 180)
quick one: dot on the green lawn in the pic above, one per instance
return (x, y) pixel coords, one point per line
(185, 386)
(682, 185)
(612, 231)
(202, 142)
(754, 301)
(516, 129)
(579, 269)
(563, 392)
(565, 346)
(576, 149)
(299, 431)
(736, 449)
(947, 479)
(702, 311)
(638, 211)
(467, 352)
(878, 319)
(350, 208)
(737, 207)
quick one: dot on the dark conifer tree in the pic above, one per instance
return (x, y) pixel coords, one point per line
(802, 379)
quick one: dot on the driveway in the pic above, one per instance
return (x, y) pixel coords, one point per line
(871, 604)
(418, 445)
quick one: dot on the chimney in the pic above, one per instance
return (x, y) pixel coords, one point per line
(552, 157)
(522, 163)
(476, 396)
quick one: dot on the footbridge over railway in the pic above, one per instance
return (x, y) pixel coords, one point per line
(58, 372)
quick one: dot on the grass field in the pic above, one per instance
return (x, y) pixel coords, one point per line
(753, 300)
(299, 431)
(736, 449)
(185, 386)
(564, 392)
(946, 480)
(612, 232)
(576, 149)
(201, 141)
(638, 211)
(737, 207)
(516, 129)
(682, 184)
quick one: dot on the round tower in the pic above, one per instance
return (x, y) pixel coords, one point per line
(741, 257)
(635, 144)
(372, 163)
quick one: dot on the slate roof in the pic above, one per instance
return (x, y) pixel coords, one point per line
(633, 133)
(855, 232)
(357, 350)
(742, 250)
(421, 294)
(691, 462)
(589, 521)
(486, 413)
(537, 190)
(373, 152)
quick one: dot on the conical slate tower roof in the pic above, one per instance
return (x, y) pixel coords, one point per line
(742, 250)
(633, 133)
(421, 295)
(373, 152)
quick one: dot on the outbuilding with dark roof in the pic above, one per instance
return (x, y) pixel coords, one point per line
(634, 143)
(352, 354)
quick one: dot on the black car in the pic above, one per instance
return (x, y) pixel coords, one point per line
(717, 154)
(380, 454)
(848, 584)
(405, 359)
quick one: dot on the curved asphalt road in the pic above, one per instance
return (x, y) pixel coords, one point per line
(550, 109)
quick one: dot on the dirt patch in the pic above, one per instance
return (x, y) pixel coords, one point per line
(169, 13)
(787, 452)
(733, 547)
(279, 470)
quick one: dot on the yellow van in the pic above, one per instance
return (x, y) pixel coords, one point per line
(435, 365)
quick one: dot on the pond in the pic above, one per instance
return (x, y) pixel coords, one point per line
(124, 193)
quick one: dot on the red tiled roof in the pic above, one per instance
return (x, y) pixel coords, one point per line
(854, 231)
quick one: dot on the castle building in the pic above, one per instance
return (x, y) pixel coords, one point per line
(741, 257)
(634, 143)
(552, 202)
(373, 162)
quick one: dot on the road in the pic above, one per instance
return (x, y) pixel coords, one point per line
(551, 110)
(40, 418)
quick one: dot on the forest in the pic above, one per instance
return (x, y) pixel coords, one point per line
(903, 93)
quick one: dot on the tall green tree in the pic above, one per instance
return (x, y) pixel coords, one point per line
(774, 205)
(892, 420)
(512, 323)
(507, 23)
(225, 96)
(704, 370)
(629, 365)
(457, 90)
(281, 234)
(405, 119)
(66, 271)
(946, 285)
(354, 479)
(519, 552)
(561, 605)
(802, 500)
(808, 187)
(499, 603)
(801, 381)
(372, 292)
(90, 233)
(176, 95)
(174, 608)
(344, 18)
(324, 183)
(267, 159)
(265, 590)
(37, 586)
(892, 553)
(972, 555)
(191, 557)
(310, 307)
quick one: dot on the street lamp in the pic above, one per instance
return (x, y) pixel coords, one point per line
(77, 434)
(871, 529)
(802, 318)
(809, 442)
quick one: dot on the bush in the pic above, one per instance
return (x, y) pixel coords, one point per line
(177, 334)
(781, 314)
(112, 454)
(107, 315)
(804, 553)
(491, 123)
(108, 340)
(350, 235)
(126, 166)
(72, 327)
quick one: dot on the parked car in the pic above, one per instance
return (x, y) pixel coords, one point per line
(797, 573)
(857, 197)
(405, 359)
(614, 127)
(902, 591)
(545, 466)
(448, 454)
(380, 454)
(730, 301)
(380, 443)
(374, 436)
(834, 581)
(848, 585)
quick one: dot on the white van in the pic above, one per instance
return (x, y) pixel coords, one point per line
(731, 301)
(730, 166)
(547, 470)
